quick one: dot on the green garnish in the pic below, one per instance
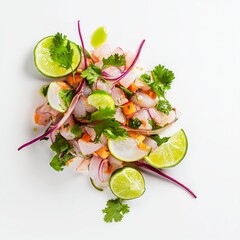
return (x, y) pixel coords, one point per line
(61, 52)
(128, 92)
(154, 124)
(44, 90)
(67, 96)
(102, 114)
(115, 60)
(115, 210)
(92, 74)
(164, 106)
(76, 130)
(159, 140)
(62, 147)
(111, 128)
(134, 123)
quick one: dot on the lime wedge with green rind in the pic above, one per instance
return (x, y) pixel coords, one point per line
(47, 66)
(101, 99)
(171, 153)
(127, 183)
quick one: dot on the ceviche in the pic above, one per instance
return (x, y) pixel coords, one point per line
(106, 113)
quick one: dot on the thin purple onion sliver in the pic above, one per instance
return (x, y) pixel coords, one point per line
(130, 67)
(159, 172)
(83, 48)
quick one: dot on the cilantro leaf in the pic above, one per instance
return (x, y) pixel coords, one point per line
(44, 90)
(67, 96)
(134, 123)
(102, 113)
(115, 210)
(115, 60)
(60, 160)
(76, 130)
(154, 124)
(164, 106)
(62, 147)
(159, 140)
(111, 128)
(162, 80)
(61, 51)
(92, 73)
(145, 78)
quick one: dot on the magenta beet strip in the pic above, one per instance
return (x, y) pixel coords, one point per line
(159, 172)
(130, 67)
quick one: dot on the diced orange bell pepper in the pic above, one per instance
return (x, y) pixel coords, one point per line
(129, 108)
(103, 152)
(133, 87)
(86, 137)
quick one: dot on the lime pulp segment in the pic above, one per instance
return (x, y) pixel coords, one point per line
(46, 65)
(170, 153)
(127, 183)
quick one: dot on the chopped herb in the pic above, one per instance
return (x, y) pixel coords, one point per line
(128, 92)
(67, 96)
(102, 113)
(44, 90)
(145, 78)
(44, 139)
(62, 147)
(66, 125)
(61, 51)
(154, 124)
(76, 130)
(111, 128)
(164, 106)
(92, 74)
(115, 60)
(115, 210)
(134, 123)
(159, 140)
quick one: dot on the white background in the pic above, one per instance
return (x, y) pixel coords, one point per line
(200, 42)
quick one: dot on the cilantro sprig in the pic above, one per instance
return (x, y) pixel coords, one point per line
(102, 114)
(160, 82)
(62, 147)
(115, 60)
(115, 210)
(92, 74)
(111, 128)
(61, 51)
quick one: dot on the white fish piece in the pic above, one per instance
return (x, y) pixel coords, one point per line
(143, 100)
(118, 96)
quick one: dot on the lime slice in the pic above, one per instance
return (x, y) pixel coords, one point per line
(53, 97)
(46, 65)
(101, 99)
(98, 37)
(126, 149)
(170, 153)
(127, 183)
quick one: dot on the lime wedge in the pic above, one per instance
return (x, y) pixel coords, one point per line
(127, 183)
(170, 153)
(99, 37)
(101, 99)
(46, 65)
(126, 149)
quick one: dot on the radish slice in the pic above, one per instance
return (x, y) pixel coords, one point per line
(103, 172)
(121, 149)
(53, 96)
